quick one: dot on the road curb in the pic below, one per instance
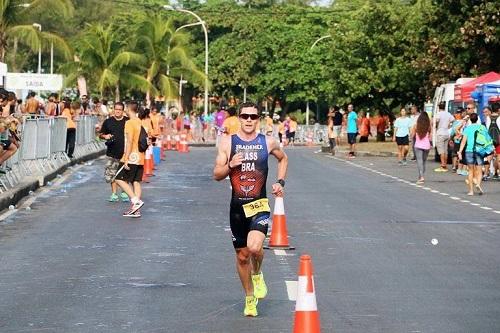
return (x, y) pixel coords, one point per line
(13, 196)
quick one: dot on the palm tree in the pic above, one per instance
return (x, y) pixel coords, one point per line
(167, 56)
(16, 25)
(106, 63)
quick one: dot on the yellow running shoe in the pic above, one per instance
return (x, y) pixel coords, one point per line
(259, 286)
(250, 306)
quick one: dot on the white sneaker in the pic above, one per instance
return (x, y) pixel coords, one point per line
(136, 206)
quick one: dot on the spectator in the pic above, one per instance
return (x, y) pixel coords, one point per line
(8, 142)
(421, 131)
(414, 114)
(331, 136)
(381, 126)
(84, 106)
(231, 124)
(113, 130)
(132, 163)
(364, 127)
(292, 128)
(337, 125)
(473, 160)
(70, 114)
(352, 130)
(444, 121)
(32, 104)
(51, 108)
(402, 127)
(456, 138)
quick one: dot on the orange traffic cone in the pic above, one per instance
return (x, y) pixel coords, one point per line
(148, 163)
(306, 309)
(169, 143)
(177, 143)
(184, 144)
(279, 233)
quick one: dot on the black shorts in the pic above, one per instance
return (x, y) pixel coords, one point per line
(5, 144)
(351, 138)
(134, 174)
(241, 225)
(402, 140)
(290, 135)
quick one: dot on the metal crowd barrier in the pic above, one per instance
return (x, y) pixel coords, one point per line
(43, 147)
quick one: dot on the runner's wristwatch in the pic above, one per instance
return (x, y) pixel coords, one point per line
(281, 182)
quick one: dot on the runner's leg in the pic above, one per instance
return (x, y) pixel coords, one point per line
(255, 242)
(243, 266)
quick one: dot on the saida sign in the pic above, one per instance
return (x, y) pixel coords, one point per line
(30, 81)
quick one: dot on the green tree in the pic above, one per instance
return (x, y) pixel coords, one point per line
(167, 56)
(16, 27)
(107, 64)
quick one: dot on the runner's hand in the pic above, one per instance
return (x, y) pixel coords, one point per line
(236, 160)
(277, 190)
(125, 166)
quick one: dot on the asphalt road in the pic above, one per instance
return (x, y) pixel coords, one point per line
(72, 264)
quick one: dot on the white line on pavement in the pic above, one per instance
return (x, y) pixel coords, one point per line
(280, 252)
(415, 185)
(291, 289)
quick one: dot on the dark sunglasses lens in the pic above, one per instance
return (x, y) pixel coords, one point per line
(245, 116)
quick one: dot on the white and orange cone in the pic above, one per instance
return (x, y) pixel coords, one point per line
(306, 308)
(279, 233)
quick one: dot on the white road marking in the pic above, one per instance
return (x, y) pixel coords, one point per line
(280, 252)
(415, 185)
(291, 289)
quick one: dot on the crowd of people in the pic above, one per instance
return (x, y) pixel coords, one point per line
(472, 144)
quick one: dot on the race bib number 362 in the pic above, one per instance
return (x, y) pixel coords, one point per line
(255, 207)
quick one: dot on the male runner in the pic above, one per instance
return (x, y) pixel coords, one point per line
(243, 156)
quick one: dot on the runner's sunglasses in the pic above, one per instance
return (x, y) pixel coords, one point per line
(252, 116)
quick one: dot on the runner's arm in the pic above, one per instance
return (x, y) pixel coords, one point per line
(221, 169)
(128, 147)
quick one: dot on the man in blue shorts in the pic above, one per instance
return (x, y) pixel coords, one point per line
(243, 157)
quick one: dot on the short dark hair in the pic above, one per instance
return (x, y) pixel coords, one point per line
(133, 106)
(231, 111)
(121, 104)
(473, 118)
(248, 105)
(442, 105)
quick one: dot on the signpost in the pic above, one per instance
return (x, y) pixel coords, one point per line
(3, 72)
(31, 81)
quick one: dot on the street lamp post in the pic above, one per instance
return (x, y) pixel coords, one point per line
(39, 26)
(181, 82)
(307, 103)
(202, 23)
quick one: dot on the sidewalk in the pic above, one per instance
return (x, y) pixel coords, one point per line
(373, 148)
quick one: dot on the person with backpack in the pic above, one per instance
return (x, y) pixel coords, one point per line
(494, 132)
(131, 167)
(476, 144)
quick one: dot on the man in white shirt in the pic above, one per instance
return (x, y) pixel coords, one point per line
(444, 120)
